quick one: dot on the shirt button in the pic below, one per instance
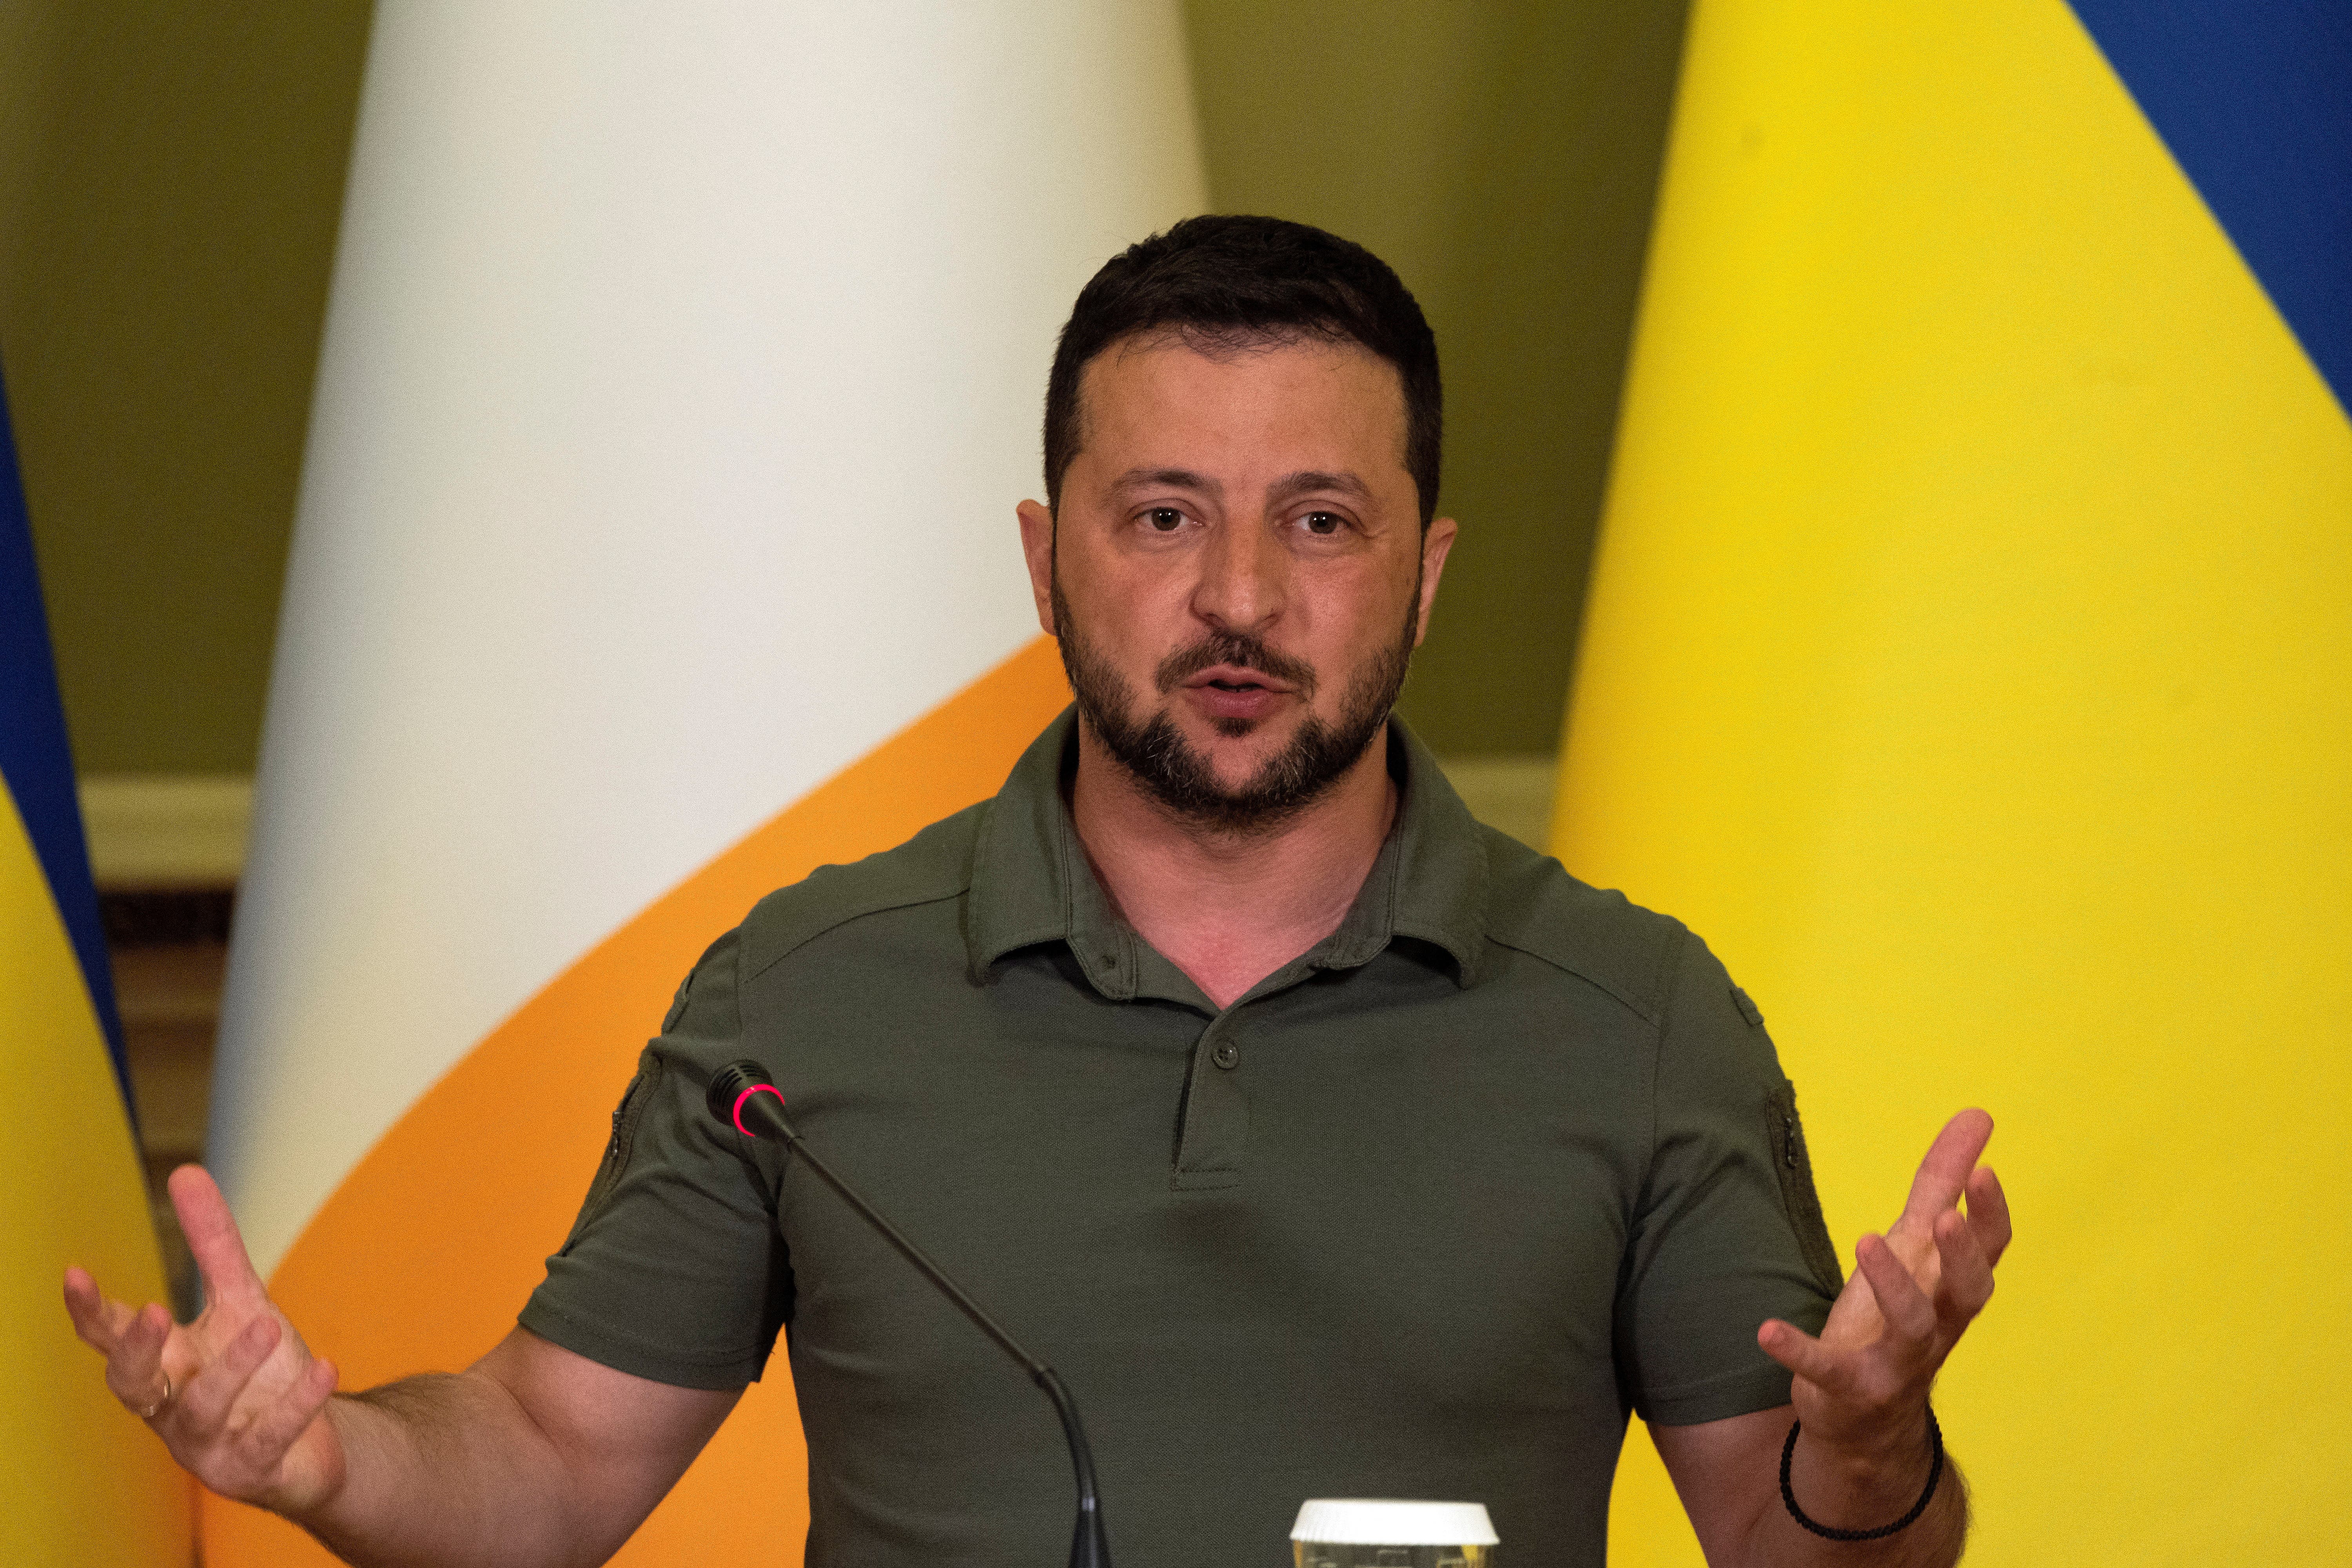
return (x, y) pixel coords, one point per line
(1227, 1055)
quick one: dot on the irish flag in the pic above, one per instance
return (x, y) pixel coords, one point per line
(655, 545)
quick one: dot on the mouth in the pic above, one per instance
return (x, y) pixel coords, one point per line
(1229, 677)
(1228, 695)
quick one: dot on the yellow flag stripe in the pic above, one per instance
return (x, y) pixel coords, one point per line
(81, 1480)
(1970, 659)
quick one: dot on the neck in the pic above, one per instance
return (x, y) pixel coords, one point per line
(1229, 909)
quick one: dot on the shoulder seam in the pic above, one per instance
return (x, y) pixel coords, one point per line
(957, 891)
(1647, 1012)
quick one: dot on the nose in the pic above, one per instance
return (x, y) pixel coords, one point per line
(1244, 579)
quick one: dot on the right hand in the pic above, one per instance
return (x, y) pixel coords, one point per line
(236, 1396)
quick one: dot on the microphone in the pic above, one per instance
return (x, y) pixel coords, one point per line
(744, 1095)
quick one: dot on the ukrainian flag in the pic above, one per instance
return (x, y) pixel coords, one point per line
(80, 1481)
(1969, 657)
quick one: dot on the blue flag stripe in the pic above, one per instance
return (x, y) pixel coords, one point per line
(35, 759)
(2255, 99)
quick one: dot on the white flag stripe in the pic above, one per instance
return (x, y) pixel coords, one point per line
(681, 370)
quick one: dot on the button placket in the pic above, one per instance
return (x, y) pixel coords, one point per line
(1216, 1114)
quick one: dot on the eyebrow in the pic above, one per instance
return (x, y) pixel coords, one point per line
(1304, 482)
(1166, 479)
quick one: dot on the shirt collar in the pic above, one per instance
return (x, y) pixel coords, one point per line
(1030, 882)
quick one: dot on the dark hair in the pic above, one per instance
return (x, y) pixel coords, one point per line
(1230, 282)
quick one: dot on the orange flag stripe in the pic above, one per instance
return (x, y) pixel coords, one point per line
(422, 1256)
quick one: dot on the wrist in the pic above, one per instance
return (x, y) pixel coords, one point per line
(1853, 1488)
(1893, 1453)
(315, 1473)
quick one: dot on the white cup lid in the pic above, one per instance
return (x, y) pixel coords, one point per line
(1386, 1521)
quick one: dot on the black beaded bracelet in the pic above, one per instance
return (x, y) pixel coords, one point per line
(1935, 1477)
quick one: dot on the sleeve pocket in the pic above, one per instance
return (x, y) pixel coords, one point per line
(625, 1116)
(1785, 1136)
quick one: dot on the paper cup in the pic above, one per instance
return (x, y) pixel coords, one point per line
(1389, 1532)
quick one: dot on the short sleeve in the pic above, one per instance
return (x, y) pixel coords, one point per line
(1728, 1231)
(674, 1271)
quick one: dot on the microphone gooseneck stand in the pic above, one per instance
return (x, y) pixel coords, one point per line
(744, 1095)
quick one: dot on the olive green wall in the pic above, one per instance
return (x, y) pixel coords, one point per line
(171, 173)
(1502, 157)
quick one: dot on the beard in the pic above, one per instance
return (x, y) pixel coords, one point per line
(1179, 778)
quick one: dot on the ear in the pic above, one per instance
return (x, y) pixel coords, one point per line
(1037, 548)
(1436, 545)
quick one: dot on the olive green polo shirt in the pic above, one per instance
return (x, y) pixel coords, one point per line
(1423, 1214)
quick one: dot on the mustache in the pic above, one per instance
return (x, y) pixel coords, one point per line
(1238, 650)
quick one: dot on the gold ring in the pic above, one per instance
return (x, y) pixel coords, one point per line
(156, 1409)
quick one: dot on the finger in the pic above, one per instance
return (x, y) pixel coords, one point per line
(204, 1405)
(1945, 1171)
(274, 1431)
(99, 1320)
(1806, 1356)
(1966, 1283)
(1989, 1213)
(213, 1239)
(1901, 1304)
(134, 1367)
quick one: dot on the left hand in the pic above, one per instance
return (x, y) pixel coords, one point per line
(1862, 1387)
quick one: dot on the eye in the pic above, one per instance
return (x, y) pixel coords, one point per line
(1164, 519)
(1325, 523)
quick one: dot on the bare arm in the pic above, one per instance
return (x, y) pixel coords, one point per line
(1861, 1459)
(534, 1455)
(1727, 1473)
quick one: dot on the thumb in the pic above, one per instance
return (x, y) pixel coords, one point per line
(214, 1240)
(1805, 1356)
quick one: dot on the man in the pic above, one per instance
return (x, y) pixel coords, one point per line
(1327, 1143)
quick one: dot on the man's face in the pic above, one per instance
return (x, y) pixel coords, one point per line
(1239, 574)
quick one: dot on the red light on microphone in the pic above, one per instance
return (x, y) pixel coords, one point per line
(755, 1089)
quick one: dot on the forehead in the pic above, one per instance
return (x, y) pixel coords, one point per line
(1164, 388)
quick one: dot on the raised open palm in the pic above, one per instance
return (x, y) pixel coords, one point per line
(1914, 1293)
(236, 1395)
